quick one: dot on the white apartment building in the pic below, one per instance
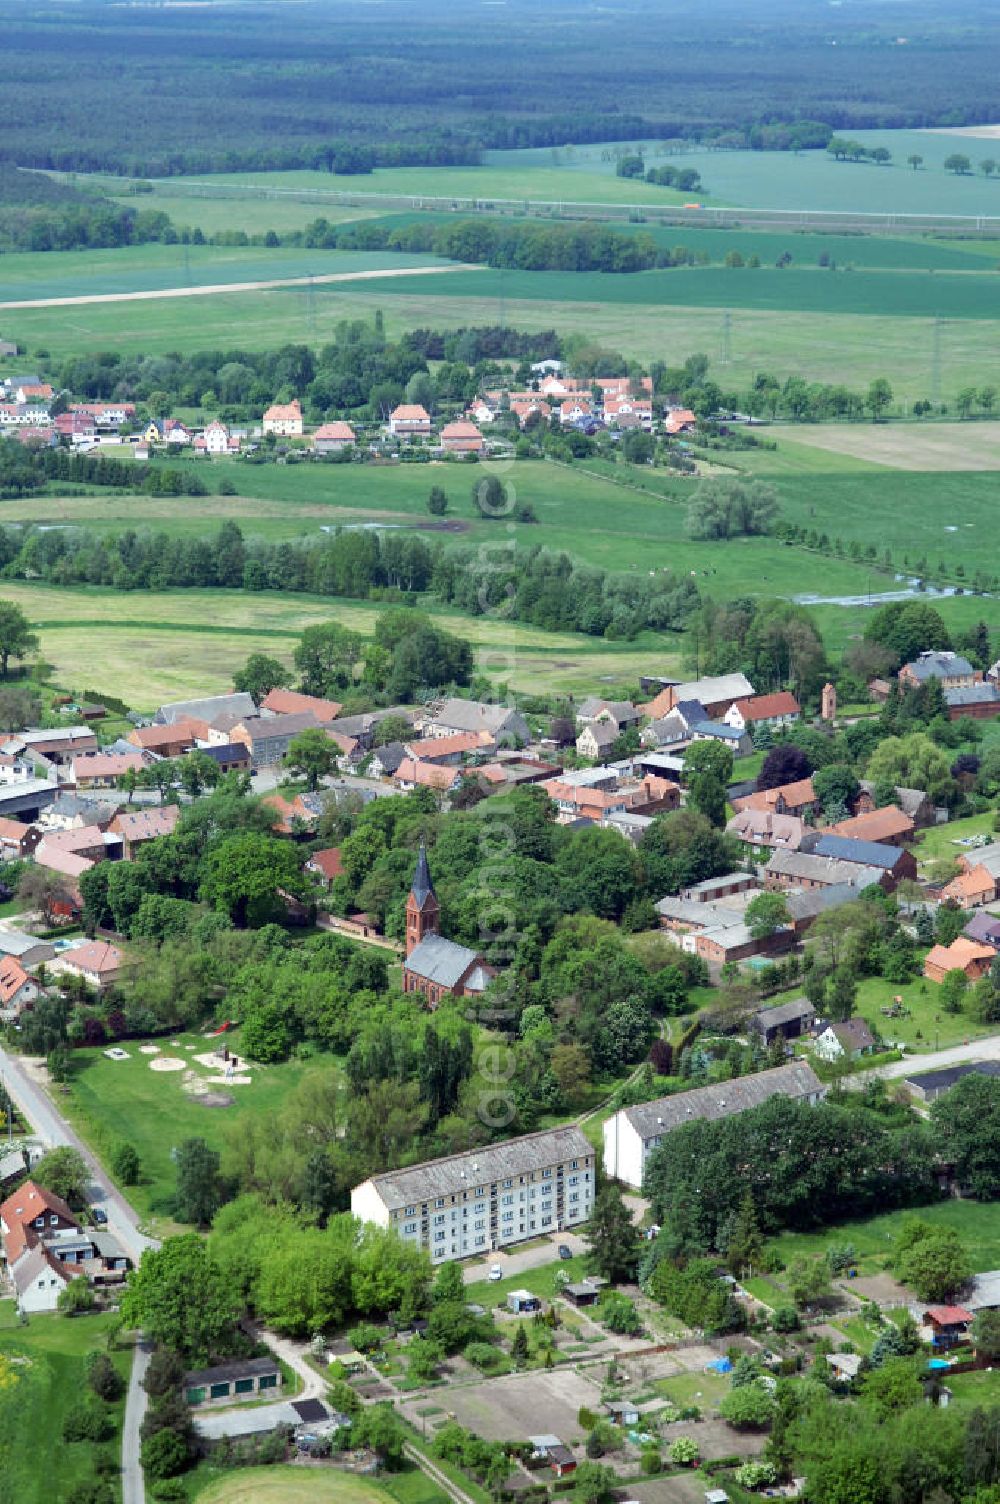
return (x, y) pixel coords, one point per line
(471, 1204)
(632, 1133)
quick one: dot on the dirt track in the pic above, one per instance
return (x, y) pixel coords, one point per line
(216, 288)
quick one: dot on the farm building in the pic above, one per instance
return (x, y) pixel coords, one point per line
(963, 955)
(786, 1021)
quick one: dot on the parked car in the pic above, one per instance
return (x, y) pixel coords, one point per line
(495, 1273)
(565, 1252)
(99, 1215)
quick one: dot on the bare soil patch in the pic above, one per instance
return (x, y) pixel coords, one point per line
(525, 1404)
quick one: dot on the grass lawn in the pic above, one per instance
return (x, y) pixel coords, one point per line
(702, 1389)
(116, 1101)
(48, 1355)
(981, 1387)
(857, 1332)
(977, 1224)
(927, 1027)
(296, 1485)
(941, 842)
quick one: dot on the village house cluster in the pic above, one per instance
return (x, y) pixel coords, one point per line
(64, 807)
(35, 413)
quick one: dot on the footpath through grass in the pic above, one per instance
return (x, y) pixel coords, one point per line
(47, 1361)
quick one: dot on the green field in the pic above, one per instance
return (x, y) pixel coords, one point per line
(809, 180)
(819, 345)
(160, 645)
(296, 1485)
(503, 175)
(124, 1101)
(977, 1224)
(149, 268)
(154, 646)
(48, 1356)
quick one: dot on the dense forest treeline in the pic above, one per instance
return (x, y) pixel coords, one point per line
(141, 90)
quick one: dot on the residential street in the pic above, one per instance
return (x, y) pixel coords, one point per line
(987, 1048)
(123, 1221)
(50, 1125)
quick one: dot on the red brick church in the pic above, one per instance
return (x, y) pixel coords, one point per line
(435, 966)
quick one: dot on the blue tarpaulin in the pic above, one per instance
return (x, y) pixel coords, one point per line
(723, 1365)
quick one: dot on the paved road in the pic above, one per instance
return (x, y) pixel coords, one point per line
(987, 1048)
(123, 1221)
(295, 1355)
(133, 1486)
(50, 1126)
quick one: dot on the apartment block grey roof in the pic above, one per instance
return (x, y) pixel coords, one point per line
(482, 1167)
(205, 710)
(723, 1099)
(439, 960)
(931, 665)
(809, 867)
(863, 853)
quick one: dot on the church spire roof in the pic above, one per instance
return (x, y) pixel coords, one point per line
(422, 888)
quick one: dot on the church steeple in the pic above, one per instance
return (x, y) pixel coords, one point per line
(422, 908)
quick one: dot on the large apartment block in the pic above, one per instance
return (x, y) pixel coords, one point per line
(473, 1203)
(632, 1133)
